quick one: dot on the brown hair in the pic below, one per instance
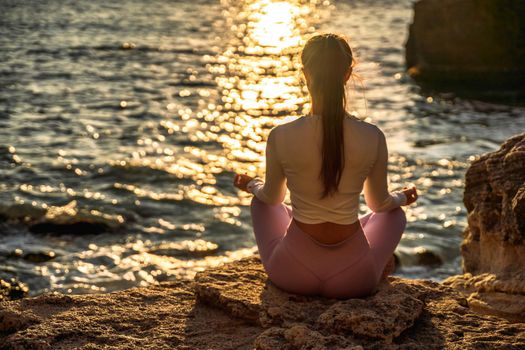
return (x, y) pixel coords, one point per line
(327, 58)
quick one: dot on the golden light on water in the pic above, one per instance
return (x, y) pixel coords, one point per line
(148, 140)
(272, 26)
(258, 86)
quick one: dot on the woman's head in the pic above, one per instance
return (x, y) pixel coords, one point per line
(327, 65)
(326, 58)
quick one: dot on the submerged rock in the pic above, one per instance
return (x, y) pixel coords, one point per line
(12, 289)
(35, 256)
(235, 307)
(66, 219)
(476, 47)
(426, 257)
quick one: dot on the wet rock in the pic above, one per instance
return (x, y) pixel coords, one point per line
(69, 219)
(81, 228)
(426, 257)
(12, 289)
(35, 257)
(187, 248)
(475, 47)
(66, 219)
(493, 246)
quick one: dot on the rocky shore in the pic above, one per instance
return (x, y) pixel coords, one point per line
(235, 306)
(493, 247)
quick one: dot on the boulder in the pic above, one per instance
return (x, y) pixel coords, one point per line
(494, 197)
(471, 46)
(493, 246)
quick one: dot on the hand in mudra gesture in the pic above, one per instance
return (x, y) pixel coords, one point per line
(241, 180)
(410, 193)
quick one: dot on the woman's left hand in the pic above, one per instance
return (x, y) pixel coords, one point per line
(241, 180)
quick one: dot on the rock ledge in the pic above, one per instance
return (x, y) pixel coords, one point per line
(235, 307)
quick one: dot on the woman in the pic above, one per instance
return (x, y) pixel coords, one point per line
(319, 246)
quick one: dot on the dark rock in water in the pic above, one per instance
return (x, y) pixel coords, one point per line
(69, 228)
(36, 257)
(427, 257)
(493, 246)
(186, 249)
(39, 257)
(474, 47)
(12, 289)
(67, 219)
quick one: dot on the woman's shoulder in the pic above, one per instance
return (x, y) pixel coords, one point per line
(365, 126)
(290, 125)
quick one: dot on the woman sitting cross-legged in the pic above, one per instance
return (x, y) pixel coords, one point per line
(319, 246)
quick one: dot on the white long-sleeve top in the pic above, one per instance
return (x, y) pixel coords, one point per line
(293, 160)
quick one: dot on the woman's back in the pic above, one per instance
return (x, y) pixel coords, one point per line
(326, 160)
(297, 148)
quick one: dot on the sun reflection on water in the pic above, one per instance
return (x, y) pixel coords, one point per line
(148, 140)
(256, 86)
(257, 77)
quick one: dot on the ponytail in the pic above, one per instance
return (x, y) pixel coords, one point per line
(327, 58)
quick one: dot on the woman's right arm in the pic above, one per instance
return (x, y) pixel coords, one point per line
(377, 196)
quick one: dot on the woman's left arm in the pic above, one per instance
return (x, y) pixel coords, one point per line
(273, 189)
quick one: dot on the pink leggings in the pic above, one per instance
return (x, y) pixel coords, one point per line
(298, 263)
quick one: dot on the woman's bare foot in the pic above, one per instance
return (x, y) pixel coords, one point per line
(389, 268)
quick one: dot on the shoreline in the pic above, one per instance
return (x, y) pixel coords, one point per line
(235, 305)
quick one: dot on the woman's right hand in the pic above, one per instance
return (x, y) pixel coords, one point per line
(241, 181)
(411, 194)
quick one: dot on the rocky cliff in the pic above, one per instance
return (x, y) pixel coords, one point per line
(493, 245)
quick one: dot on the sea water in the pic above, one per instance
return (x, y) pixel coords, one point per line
(136, 115)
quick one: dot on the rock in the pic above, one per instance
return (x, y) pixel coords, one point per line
(495, 200)
(493, 246)
(234, 306)
(69, 219)
(157, 317)
(81, 228)
(12, 289)
(193, 248)
(426, 257)
(66, 219)
(494, 197)
(489, 295)
(39, 257)
(403, 313)
(472, 46)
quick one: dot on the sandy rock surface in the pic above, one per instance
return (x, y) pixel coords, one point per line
(403, 314)
(161, 317)
(236, 307)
